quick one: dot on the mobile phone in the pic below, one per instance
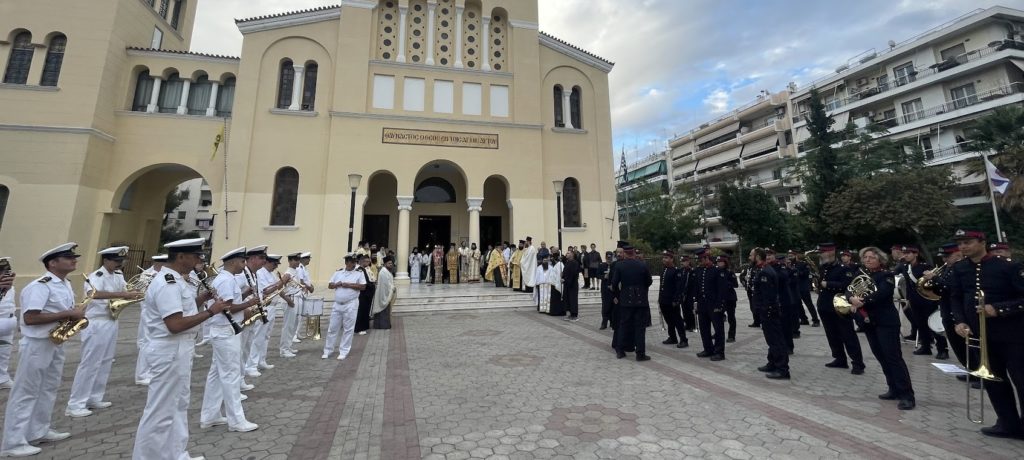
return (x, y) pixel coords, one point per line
(5, 267)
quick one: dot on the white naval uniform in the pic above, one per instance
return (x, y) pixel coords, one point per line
(98, 343)
(8, 325)
(163, 429)
(248, 278)
(194, 280)
(40, 364)
(223, 382)
(291, 315)
(346, 308)
(261, 332)
(141, 366)
(304, 277)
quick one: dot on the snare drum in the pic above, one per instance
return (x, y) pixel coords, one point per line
(313, 306)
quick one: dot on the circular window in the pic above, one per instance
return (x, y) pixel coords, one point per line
(471, 51)
(415, 59)
(416, 32)
(471, 64)
(471, 38)
(387, 55)
(497, 19)
(444, 61)
(417, 20)
(388, 16)
(444, 11)
(497, 66)
(416, 45)
(387, 30)
(444, 23)
(497, 30)
(444, 35)
(472, 27)
(390, 4)
(497, 42)
(444, 48)
(387, 42)
(472, 14)
(497, 54)
(418, 8)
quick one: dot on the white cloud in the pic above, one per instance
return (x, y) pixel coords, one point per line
(717, 101)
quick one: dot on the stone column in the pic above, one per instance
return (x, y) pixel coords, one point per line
(402, 252)
(403, 11)
(485, 24)
(211, 110)
(567, 109)
(35, 72)
(474, 219)
(458, 37)
(430, 32)
(154, 98)
(183, 103)
(297, 88)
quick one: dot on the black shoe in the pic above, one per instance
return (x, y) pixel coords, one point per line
(857, 370)
(604, 326)
(837, 364)
(887, 396)
(796, 335)
(906, 404)
(669, 341)
(705, 354)
(643, 358)
(754, 325)
(620, 354)
(910, 337)
(718, 358)
(730, 340)
(942, 354)
(767, 368)
(776, 375)
(683, 344)
(923, 352)
(997, 431)
(816, 323)
(804, 322)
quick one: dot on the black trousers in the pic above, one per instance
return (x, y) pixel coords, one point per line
(631, 332)
(958, 346)
(790, 323)
(673, 321)
(754, 313)
(925, 335)
(842, 339)
(498, 280)
(885, 345)
(712, 330)
(1006, 360)
(775, 333)
(571, 297)
(805, 297)
(689, 320)
(730, 316)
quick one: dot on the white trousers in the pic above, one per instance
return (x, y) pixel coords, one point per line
(30, 405)
(261, 338)
(141, 366)
(343, 319)
(98, 343)
(7, 327)
(223, 382)
(291, 324)
(163, 429)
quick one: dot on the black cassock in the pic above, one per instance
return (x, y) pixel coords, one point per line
(365, 303)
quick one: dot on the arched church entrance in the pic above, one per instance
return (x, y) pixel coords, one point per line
(439, 214)
(380, 211)
(495, 214)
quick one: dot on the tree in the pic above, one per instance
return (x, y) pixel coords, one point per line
(174, 199)
(174, 232)
(754, 215)
(663, 221)
(820, 169)
(1001, 133)
(914, 204)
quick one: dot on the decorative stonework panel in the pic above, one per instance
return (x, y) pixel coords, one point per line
(499, 41)
(416, 33)
(471, 35)
(387, 30)
(444, 33)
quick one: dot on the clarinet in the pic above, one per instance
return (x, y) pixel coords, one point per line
(231, 319)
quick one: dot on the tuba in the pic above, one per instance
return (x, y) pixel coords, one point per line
(67, 328)
(926, 287)
(861, 286)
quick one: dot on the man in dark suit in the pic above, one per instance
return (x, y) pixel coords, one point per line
(630, 282)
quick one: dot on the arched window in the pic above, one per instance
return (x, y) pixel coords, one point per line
(54, 58)
(170, 94)
(226, 97)
(286, 194)
(176, 13)
(309, 87)
(571, 203)
(163, 8)
(576, 107)
(559, 116)
(5, 193)
(199, 96)
(499, 39)
(143, 92)
(435, 190)
(20, 60)
(387, 29)
(284, 84)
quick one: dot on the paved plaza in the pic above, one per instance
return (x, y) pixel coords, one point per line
(519, 385)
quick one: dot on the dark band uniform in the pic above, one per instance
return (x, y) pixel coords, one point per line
(711, 286)
(670, 296)
(920, 307)
(1002, 282)
(764, 296)
(842, 339)
(787, 299)
(803, 273)
(730, 300)
(630, 282)
(882, 330)
(941, 285)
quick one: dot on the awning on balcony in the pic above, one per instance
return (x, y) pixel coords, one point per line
(760, 146)
(841, 119)
(1018, 62)
(733, 127)
(719, 159)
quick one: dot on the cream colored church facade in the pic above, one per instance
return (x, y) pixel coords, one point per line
(440, 120)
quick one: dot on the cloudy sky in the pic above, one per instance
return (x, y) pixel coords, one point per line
(682, 62)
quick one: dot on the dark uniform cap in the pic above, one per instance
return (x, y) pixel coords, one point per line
(621, 244)
(968, 234)
(950, 248)
(668, 253)
(999, 245)
(827, 247)
(909, 248)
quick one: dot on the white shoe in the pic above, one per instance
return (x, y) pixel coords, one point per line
(202, 342)
(252, 374)
(247, 386)
(265, 366)
(23, 451)
(296, 341)
(7, 385)
(52, 436)
(196, 355)
(324, 356)
(361, 333)
(213, 423)
(287, 354)
(143, 382)
(342, 357)
(77, 413)
(197, 458)
(99, 405)
(244, 427)
(294, 351)
(243, 397)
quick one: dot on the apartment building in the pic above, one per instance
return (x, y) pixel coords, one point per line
(649, 171)
(194, 214)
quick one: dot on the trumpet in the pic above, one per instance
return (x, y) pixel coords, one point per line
(926, 287)
(984, 371)
(67, 328)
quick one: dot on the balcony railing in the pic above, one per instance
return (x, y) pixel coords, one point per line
(956, 104)
(947, 152)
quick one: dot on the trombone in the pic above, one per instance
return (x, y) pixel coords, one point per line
(984, 371)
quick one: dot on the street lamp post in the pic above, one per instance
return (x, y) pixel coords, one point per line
(558, 206)
(353, 183)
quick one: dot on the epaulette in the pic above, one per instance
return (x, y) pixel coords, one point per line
(169, 278)
(99, 272)
(45, 279)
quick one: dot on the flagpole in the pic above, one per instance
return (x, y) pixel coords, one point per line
(992, 198)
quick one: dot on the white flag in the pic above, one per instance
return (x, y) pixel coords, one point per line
(997, 180)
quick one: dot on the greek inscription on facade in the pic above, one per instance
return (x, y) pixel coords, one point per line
(439, 138)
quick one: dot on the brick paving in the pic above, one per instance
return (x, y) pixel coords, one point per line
(512, 384)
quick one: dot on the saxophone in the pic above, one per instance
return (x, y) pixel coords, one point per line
(67, 328)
